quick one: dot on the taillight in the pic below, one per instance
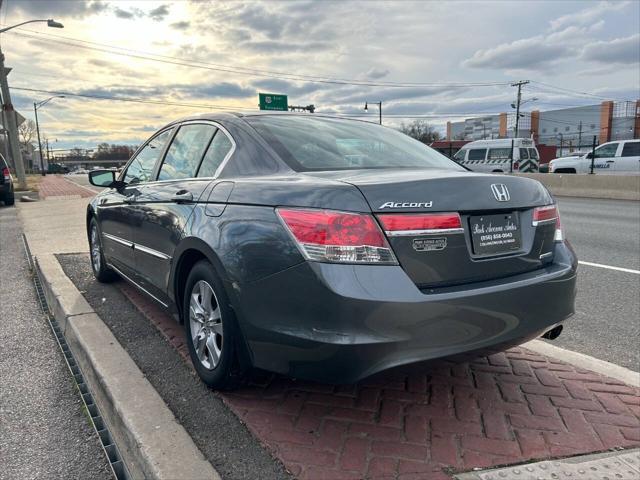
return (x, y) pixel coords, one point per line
(548, 214)
(420, 223)
(516, 166)
(341, 237)
(6, 174)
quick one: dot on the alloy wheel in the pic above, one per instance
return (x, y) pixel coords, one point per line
(206, 324)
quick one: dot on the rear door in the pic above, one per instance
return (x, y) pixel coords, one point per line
(629, 160)
(164, 206)
(476, 159)
(116, 212)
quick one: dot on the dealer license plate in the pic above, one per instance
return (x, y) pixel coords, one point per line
(495, 234)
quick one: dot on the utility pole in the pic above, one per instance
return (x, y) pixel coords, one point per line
(11, 125)
(519, 85)
(35, 111)
(580, 135)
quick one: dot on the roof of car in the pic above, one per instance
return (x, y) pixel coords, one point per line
(228, 115)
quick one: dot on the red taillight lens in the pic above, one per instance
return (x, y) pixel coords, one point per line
(548, 214)
(403, 223)
(331, 236)
(6, 174)
(516, 166)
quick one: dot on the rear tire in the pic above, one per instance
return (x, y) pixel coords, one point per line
(10, 199)
(98, 264)
(210, 328)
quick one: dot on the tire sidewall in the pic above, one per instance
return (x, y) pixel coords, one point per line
(220, 376)
(104, 274)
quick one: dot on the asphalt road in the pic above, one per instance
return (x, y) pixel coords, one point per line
(607, 320)
(44, 432)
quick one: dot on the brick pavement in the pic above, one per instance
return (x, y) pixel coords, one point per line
(58, 186)
(429, 420)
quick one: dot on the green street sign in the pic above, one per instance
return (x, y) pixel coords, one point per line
(270, 101)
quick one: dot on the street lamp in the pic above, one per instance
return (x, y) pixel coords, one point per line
(517, 104)
(366, 108)
(7, 107)
(36, 106)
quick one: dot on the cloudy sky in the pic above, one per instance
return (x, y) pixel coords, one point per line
(445, 60)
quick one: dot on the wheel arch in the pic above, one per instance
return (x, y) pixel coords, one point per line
(190, 251)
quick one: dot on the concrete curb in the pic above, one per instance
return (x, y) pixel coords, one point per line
(585, 361)
(151, 441)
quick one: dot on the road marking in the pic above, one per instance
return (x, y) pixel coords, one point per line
(609, 267)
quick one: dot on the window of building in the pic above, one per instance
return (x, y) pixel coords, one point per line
(141, 167)
(566, 129)
(555, 129)
(185, 151)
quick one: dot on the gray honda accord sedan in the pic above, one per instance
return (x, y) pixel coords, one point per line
(328, 249)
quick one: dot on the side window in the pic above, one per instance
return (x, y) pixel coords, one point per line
(185, 152)
(606, 151)
(216, 153)
(141, 167)
(499, 153)
(459, 156)
(524, 154)
(631, 149)
(533, 153)
(477, 153)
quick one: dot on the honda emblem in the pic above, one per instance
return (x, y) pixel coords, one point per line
(500, 192)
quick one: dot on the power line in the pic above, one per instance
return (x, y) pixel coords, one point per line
(577, 92)
(105, 48)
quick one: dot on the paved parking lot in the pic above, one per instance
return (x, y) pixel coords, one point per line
(430, 419)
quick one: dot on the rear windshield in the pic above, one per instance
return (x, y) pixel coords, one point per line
(309, 144)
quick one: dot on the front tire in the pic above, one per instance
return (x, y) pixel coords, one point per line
(210, 328)
(98, 264)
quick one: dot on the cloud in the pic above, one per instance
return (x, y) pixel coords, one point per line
(60, 8)
(159, 13)
(217, 90)
(588, 15)
(619, 50)
(275, 46)
(527, 54)
(124, 14)
(377, 73)
(181, 25)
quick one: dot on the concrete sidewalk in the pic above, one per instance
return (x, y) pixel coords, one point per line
(44, 432)
(419, 422)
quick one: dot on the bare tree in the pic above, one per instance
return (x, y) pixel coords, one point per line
(420, 130)
(27, 132)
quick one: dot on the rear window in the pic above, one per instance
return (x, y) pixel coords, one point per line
(308, 144)
(631, 149)
(524, 154)
(477, 153)
(533, 153)
(3, 164)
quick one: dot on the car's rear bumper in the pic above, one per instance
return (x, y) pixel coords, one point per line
(340, 323)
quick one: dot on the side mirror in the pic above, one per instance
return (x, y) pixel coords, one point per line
(102, 178)
(588, 155)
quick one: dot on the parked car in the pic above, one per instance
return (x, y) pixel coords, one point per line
(620, 157)
(6, 183)
(328, 249)
(57, 168)
(495, 155)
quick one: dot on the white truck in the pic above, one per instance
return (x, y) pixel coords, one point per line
(613, 158)
(496, 155)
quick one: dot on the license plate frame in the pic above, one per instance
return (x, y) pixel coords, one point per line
(495, 234)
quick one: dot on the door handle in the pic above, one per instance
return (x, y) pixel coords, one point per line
(182, 196)
(611, 161)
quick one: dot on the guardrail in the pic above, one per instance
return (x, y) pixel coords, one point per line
(618, 187)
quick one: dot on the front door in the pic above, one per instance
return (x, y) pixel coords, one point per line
(605, 158)
(629, 160)
(117, 212)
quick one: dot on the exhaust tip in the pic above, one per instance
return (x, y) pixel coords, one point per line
(553, 333)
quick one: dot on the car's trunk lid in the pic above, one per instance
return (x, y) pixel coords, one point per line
(498, 204)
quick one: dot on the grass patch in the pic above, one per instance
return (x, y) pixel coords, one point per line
(33, 183)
